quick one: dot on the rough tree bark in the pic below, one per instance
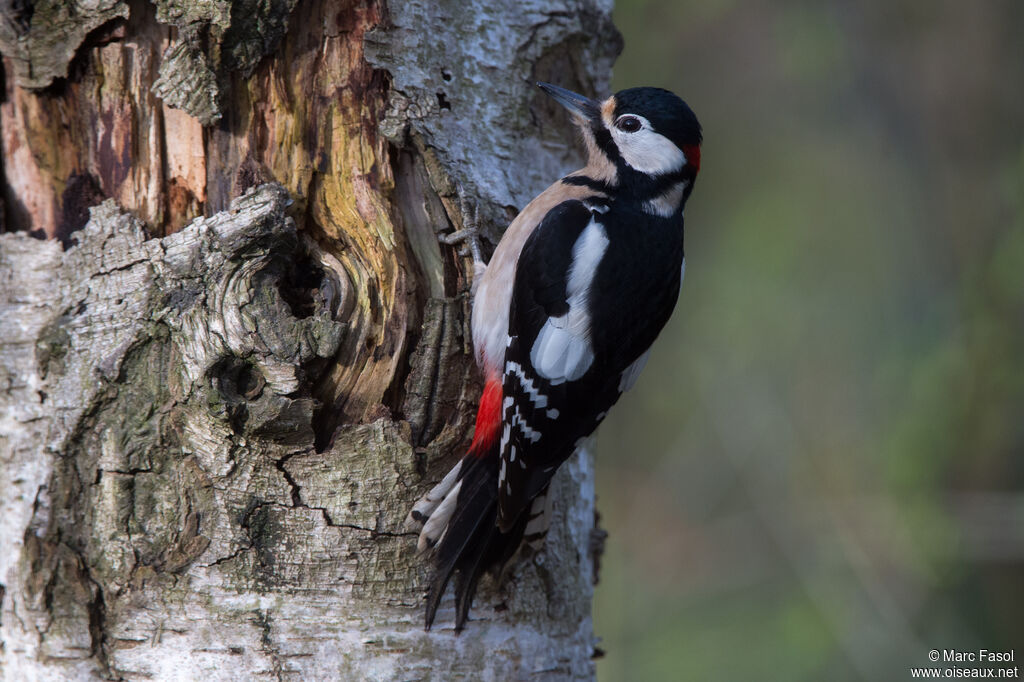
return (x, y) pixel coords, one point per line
(221, 397)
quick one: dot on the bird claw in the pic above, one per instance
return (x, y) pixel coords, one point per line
(469, 235)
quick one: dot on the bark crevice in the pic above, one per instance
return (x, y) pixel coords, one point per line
(222, 396)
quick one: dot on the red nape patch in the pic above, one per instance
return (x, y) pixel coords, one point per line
(488, 419)
(692, 152)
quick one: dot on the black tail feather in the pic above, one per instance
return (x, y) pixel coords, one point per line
(476, 508)
(469, 574)
(472, 542)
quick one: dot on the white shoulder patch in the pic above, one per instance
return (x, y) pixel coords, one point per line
(559, 355)
(562, 351)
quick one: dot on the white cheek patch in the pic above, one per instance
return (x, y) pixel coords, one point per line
(647, 151)
(562, 351)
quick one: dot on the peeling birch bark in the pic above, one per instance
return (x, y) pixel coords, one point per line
(243, 353)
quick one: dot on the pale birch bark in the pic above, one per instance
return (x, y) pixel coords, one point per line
(219, 399)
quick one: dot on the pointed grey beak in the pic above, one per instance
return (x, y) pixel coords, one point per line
(587, 109)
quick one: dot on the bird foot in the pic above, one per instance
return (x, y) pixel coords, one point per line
(469, 236)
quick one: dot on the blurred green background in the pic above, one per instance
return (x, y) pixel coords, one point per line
(820, 474)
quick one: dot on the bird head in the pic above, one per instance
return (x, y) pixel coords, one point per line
(649, 131)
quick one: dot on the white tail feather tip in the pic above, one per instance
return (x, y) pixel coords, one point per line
(436, 525)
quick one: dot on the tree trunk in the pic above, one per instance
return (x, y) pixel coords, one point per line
(222, 396)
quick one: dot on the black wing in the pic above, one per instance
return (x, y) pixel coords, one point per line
(632, 293)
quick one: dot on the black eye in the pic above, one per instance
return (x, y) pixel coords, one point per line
(628, 124)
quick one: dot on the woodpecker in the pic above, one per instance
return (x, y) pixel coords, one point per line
(563, 319)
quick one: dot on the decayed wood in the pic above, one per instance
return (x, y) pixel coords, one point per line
(213, 427)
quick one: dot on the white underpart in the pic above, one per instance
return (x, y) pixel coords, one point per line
(562, 351)
(632, 373)
(426, 505)
(647, 151)
(437, 524)
(493, 293)
(490, 323)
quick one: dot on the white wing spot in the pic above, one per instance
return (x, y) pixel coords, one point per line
(560, 355)
(528, 432)
(562, 351)
(536, 397)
